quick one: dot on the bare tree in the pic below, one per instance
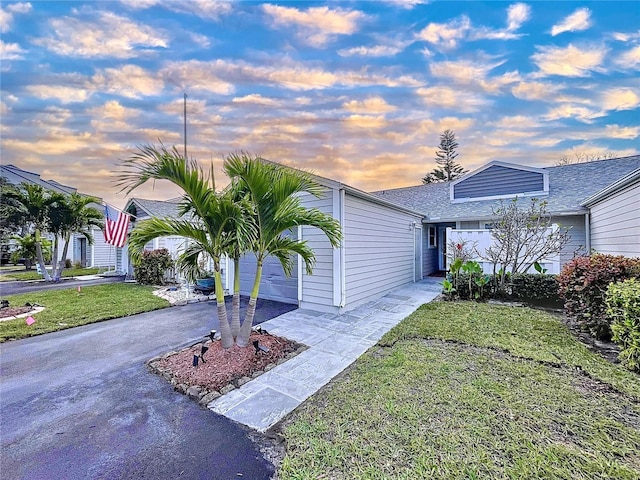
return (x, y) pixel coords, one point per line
(583, 157)
(523, 237)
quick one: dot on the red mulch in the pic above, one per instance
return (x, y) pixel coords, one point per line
(224, 366)
(13, 311)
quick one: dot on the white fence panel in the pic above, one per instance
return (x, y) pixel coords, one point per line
(483, 239)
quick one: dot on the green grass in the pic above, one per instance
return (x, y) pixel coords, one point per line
(466, 390)
(68, 308)
(34, 275)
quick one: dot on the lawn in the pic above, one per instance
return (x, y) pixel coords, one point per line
(466, 390)
(34, 275)
(68, 308)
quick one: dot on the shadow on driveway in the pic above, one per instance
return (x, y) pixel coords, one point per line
(79, 403)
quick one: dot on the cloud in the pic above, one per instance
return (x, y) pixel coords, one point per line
(112, 116)
(577, 112)
(448, 34)
(195, 75)
(10, 51)
(406, 4)
(107, 36)
(129, 81)
(517, 14)
(571, 61)
(578, 20)
(535, 91)
(626, 37)
(620, 99)
(624, 132)
(208, 9)
(387, 47)
(630, 58)
(371, 105)
(255, 99)
(515, 122)
(6, 14)
(452, 98)
(316, 26)
(61, 93)
(467, 72)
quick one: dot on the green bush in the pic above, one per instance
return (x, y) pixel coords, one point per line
(152, 265)
(67, 263)
(623, 307)
(582, 285)
(534, 286)
(466, 281)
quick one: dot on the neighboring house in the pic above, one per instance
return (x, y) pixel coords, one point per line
(614, 222)
(100, 254)
(468, 203)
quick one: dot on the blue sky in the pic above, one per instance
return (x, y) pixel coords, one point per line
(355, 91)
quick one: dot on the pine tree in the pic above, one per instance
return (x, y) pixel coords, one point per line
(448, 169)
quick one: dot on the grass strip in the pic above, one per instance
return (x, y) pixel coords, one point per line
(34, 275)
(67, 308)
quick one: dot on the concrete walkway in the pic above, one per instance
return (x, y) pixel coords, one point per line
(335, 341)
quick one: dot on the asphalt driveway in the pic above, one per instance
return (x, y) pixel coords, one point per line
(80, 404)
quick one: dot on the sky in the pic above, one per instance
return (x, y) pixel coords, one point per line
(355, 91)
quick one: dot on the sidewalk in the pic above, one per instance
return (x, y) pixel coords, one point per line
(335, 341)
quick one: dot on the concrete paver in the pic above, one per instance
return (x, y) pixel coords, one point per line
(334, 341)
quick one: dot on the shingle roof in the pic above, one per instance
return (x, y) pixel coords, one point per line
(157, 208)
(569, 186)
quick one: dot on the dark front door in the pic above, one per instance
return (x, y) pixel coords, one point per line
(83, 251)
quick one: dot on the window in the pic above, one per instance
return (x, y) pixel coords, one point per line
(433, 237)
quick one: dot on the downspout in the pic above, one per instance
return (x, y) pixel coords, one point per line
(343, 276)
(587, 232)
(300, 269)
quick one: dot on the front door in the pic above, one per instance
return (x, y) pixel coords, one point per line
(83, 252)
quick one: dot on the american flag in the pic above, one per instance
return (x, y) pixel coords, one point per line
(116, 224)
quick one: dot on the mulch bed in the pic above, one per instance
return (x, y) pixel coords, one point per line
(223, 369)
(13, 311)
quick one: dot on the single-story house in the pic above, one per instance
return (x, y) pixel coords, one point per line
(99, 254)
(571, 193)
(398, 236)
(381, 250)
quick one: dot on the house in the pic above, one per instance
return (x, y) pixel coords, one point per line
(571, 193)
(381, 250)
(99, 254)
(614, 220)
(394, 237)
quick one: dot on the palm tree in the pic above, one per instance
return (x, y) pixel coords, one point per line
(72, 214)
(212, 221)
(36, 202)
(274, 191)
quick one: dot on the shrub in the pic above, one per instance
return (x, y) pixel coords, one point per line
(623, 306)
(582, 285)
(67, 263)
(466, 281)
(533, 286)
(152, 265)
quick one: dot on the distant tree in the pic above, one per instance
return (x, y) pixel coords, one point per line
(448, 169)
(583, 157)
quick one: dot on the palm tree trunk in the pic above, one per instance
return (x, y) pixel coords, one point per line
(235, 310)
(54, 259)
(245, 330)
(63, 258)
(40, 258)
(225, 331)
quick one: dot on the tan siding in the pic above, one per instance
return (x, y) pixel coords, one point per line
(615, 223)
(379, 249)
